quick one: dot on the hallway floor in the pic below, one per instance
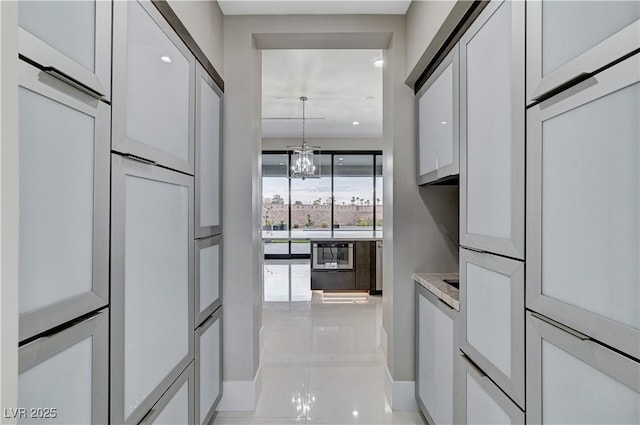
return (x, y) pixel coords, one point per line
(321, 359)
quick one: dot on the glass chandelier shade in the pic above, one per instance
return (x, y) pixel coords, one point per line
(303, 160)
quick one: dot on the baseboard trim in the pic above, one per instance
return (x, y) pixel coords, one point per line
(241, 396)
(401, 394)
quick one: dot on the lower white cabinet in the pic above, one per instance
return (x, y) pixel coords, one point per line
(208, 277)
(175, 406)
(64, 377)
(479, 400)
(435, 348)
(572, 379)
(208, 369)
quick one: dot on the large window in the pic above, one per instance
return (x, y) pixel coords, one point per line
(346, 198)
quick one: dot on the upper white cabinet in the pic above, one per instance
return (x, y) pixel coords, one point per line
(64, 202)
(574, 380)
(208, 154)
(492, 131)
(153, 88)
(570, 40)
(69, 39)
(583, 207)
(438, 122)
(208, 368)
(151, 284)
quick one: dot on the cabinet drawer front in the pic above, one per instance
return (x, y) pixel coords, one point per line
(569, 40)
(67, 371)
(492, 314)
(583, 229)
(153, 88)
(208, 367)
(152, 246)
(175, 406)
(64, 190)
(492, 131)
(208, 277)
(572, 379)
(73, 37)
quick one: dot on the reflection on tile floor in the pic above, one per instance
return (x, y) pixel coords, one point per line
(321, 360)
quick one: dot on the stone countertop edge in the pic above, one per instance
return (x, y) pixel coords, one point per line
(433, 282)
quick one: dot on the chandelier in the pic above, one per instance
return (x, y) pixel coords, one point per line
(303, 163)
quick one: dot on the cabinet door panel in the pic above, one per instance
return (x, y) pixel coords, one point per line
(208, 286)
(492, 131)
(175, 406)
(154, 74)
(584, 207)
(208, 155)
(492, 314)
(571, 379)
(152, 232)
(73, 37)
(208, 367)
(67, 371)
(566, 40)
(64, 190)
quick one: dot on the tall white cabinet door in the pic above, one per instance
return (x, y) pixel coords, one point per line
(438, 122)
(208, 368)
(583, 207)
(573, 380)
(151, 284)
(208, 277)
(492, 318)
(70, 39)
(153, 88)
(492, 131)
(208, 155)
(64, 377)
(479, 401)
(176, 405)
(569, 40)
(64, 202)
(436, 344)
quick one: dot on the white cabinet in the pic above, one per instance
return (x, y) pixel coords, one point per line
(208, 368)
(492, 318)
(572, 379)
(479, 401)
(438, 122)
(570, 40)
(583, 207)
(63, 377)
(492, 131)
(435, 346)
(153, 88)
(208, 277)
(151, 284)
(69, 39)
(64, 202)
(175, 406)
(208, 155)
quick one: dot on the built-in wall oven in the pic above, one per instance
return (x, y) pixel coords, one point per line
(332, 256)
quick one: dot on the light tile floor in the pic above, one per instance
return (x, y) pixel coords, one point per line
(321, 360)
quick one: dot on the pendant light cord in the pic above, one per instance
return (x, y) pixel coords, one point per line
(303, 99)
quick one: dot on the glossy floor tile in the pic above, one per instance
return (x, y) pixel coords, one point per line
(321, 358)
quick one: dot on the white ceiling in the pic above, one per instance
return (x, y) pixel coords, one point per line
(314, 7)
(342, 86)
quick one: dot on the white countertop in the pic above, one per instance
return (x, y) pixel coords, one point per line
(433, 282)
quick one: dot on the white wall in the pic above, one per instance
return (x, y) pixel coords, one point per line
(424, 19)
(203, 19)
(359, 144)
(9, 210)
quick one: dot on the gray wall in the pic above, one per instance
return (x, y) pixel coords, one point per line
(326, 144)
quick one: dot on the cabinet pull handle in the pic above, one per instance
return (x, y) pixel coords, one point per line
(560, 326)
(472, 364)
(139, 159)
(56, 73)
(146, 417)
(473, 249)
(560, 87)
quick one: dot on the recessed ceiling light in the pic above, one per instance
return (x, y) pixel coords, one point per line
(378, 63)
(355, 413)
(356, 123)
(443, 122)
(341, 159)
(370, 98)
(340, 163)
(165, 59)
(282, 163)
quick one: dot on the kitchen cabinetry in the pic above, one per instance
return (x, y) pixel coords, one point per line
(573, 379)
(436, 344)
(208, 176)
(438, 123)
(151, 278)
(583, 233)
(492, 131)
(64, 377)
(153, 88)
(64, 190)
(208, 278)
(492, 318)
(569, 41)
(69, 39)
(208, 368)
(175, 406)
(343, 265)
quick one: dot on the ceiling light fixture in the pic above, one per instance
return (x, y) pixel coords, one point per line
(378, 63)
(302, 157)
(356, 123)
(165, 59)
(443, 122)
